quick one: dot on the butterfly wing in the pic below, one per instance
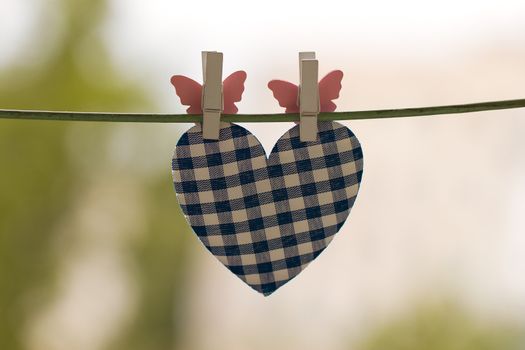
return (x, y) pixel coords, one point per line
(232, 88)
(286, 94)
(329, 88)
(189, 92)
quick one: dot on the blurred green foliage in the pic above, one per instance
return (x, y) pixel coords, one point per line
(443, 326)
(38, 181)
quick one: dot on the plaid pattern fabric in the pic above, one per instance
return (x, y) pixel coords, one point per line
(267, 219)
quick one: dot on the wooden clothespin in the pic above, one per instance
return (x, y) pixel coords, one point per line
(308, 96)
(212, 97)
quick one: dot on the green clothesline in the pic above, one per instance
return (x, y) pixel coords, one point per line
(259, 118)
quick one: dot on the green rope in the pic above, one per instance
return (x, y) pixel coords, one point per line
(259, 118)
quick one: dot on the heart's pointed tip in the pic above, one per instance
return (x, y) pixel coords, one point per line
(264, 292)
(267, 294)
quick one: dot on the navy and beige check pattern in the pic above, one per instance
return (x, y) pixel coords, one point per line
(267, 219)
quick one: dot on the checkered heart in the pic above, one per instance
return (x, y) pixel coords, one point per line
(264, 218)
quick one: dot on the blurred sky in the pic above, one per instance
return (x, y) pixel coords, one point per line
(441, 208)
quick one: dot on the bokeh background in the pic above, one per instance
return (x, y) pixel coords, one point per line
(95, 254)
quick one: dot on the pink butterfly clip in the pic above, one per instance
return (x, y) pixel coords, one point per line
(329, 87)
(190, 92)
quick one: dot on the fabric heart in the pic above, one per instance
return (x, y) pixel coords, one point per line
(264, 218)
